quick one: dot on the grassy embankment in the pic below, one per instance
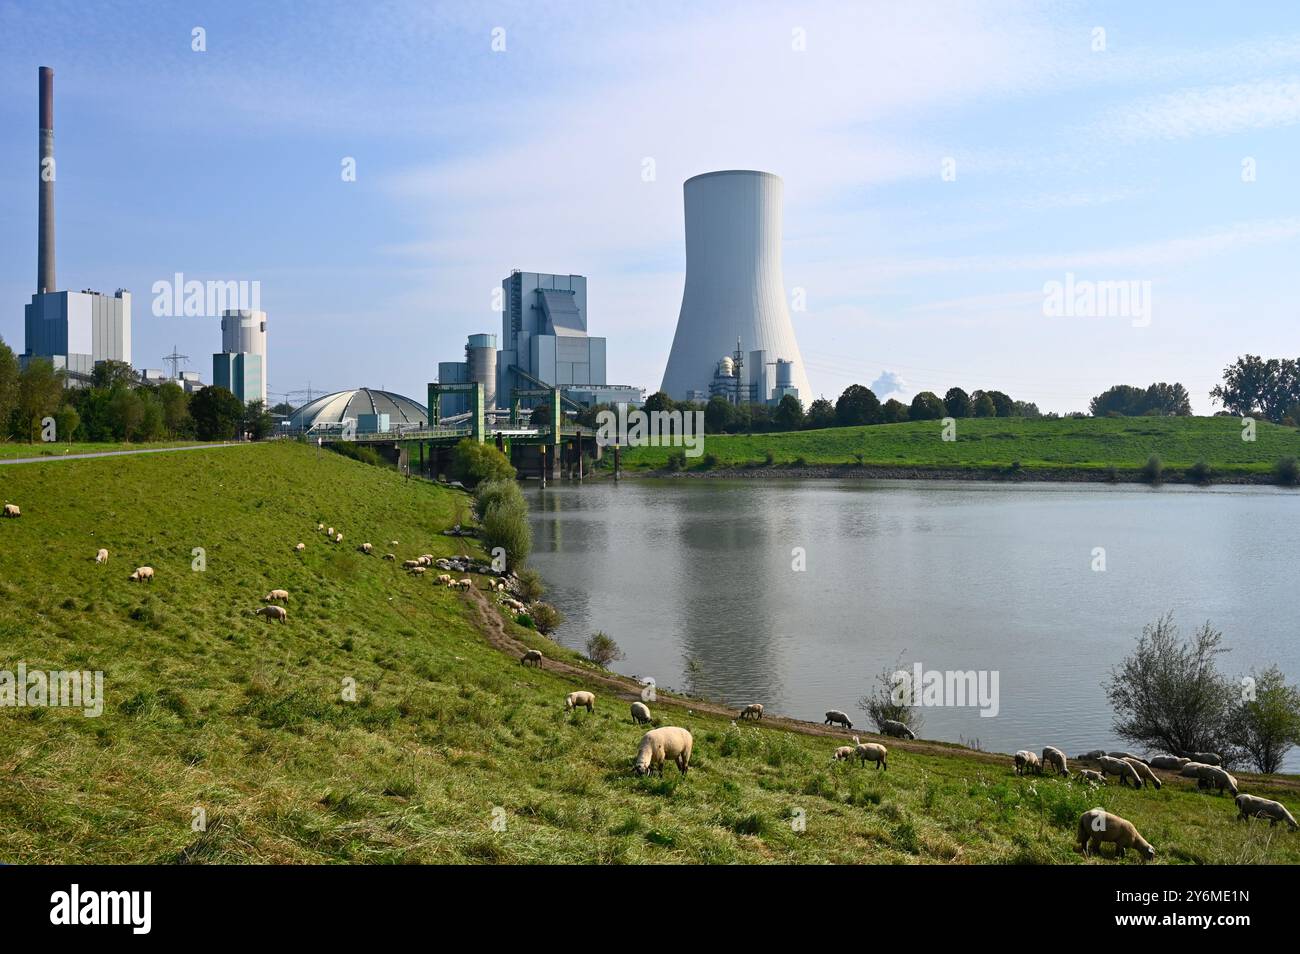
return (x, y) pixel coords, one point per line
(1002, 446)
(209, 706)
(12, 450)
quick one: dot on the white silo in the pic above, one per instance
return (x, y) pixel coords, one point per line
(733, 280)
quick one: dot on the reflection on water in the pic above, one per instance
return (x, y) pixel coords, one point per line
(694, 580)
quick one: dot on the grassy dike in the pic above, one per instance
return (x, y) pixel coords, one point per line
(1002, 447)
(211, 707)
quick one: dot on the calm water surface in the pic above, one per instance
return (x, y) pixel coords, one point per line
(693, 579)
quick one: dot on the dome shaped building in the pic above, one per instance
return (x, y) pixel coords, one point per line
(373, 411)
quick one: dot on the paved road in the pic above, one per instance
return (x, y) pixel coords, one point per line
(121, 453)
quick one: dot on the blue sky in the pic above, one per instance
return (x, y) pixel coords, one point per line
(1120, 164)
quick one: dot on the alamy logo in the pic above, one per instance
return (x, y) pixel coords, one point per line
(75, 906)
(1089, 299)
(637, 428)
(58, 688)
(179, 298)
(947, 688)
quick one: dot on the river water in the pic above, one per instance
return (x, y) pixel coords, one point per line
(696, 580)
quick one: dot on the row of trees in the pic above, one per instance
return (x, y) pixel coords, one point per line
(117, 407)
(1124, 400)
(1261, 387)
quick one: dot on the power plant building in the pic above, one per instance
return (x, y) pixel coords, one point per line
(240, 366)
(734, 295)
(544, 334)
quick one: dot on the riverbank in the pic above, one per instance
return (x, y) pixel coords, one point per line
(1020, 475)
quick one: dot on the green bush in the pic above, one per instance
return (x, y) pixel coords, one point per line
(531, 587)
(1153, 470)
(473, 463)
(505, 525)
(526, 621)
(362, 452)
(602, 650)
(1200, 472)
(492, 492)
(1287, 472)
(547, 618)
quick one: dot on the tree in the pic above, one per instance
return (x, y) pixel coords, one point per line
(983, 406)
(1255, 387)
(1167, 400)
(894, 411)
(504, 524)
(789, 413)
(125, 413)
(257, 421)
(821, 413)
(1120, 400)
(1266, 724)
(658, 402)
(175, 408)
(602, 650)
(66, 421)
(1124, 400)
(926, 406)
(546, 617)
(283, 409)
(112, 374)
(1169, 694)
(717, 415)
(892, 700)
(857, 405)
(1003, 406)
(957, 402)
(472, 463)
(1026, 409)
(216, 414)
(40, 391)
(8, 387)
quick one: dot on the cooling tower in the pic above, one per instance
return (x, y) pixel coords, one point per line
(733, 281)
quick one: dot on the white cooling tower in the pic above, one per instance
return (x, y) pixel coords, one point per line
(733, 281)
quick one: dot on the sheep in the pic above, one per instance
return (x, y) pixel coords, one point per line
(872, 752)
(417, 570)
(1144, 771)
(752, 711)
(392, 543)
(275, 595)
(390, 556)
(101, 556)
(278, 613)
(13, 510)
(444, 579)
(1099, 825)
(1126, 756)
(1252, 806)
(410, 564)
(320, 527)
(338, 538)
(1056, 759)
(1027, 761)
(657, 746)
(533, 656)
(576, 700)
(844, 753)
(1090, 756)
(465, 584)
(640, 713)
(141, 574)
(836, 717)
(329, 532)
(1088, 775)
(300, 547)
(1210, 776)
(1125, 770)
(1172, 763)
(896, 729)
(366, 547)
(425, 559)
(1207, 758)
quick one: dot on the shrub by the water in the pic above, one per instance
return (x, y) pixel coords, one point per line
(1200, 472)
(473, 463)
(1153, 470)
(546, 617)
(1287, 472)
(602, 650)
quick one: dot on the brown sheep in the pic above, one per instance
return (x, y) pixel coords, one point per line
(1098, 825)
(752, 711)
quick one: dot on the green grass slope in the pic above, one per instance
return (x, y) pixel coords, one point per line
(994, 444)
(11, 450)
(209, 707)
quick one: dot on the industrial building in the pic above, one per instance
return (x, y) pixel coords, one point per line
(372, 412)
(73, 330)
(734, 295)
(240, 366)
(480, 365)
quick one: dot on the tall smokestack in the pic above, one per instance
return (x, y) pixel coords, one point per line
(45, 225)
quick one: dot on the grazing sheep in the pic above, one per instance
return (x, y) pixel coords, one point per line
(465, 584)
(1090, 756)
(390, 556)
(425, 559)
(278, 613)
(329, 532)
(417, 570)
(1172, 763)
(300, 547)
(410, 564)
(1088, 775)
(338, 538)
(392, 543)
(844, 753)
(1207, 758)
(872, 752)
(640, 713)
(1252, 806)
(1125, 770)
(1027, 761)
(897, 729)
(1210, 776)
(141, 574)
(1126, 756)
(836, 717)
(1144, 771)
(101, 556)
(752, 711)
(533, 656)
(275, 595)
(365, 547)
(320, 527)
(666, 743)
(444, 579)
(13, 510)
(576, 700)
(1099, 825)
(1056, 759)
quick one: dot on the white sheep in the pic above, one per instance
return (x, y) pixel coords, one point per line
(275, 595)
(668, 743)
(871, 752)
(141, 574)
(640, 713)
(752, 711)
(465, 584)
(843, 753)
(338, 538)
(392, 543)
(1027, 761)
(1210, 776)
(13, 510)
(300, 547)
(1252, 806)
(533, 656)
(1118, 767)
(320, 527)
(836, 717)
(101, 556)
(278, 613)
(897, 729)
(444, 579)
(390, 556)
(1207, 758)
(1090, 756)
(417, 570)
(1055, 758)
(329, 532)
(366, 547)
(426, 559)
(1171, 763)
(1099, 825)
(580, 699)
(1144, 771)
(1088, 775)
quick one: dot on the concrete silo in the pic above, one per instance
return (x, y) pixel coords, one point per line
(481, 362)
(734, 288)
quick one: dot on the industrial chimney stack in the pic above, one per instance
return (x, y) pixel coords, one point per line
(45, 225)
